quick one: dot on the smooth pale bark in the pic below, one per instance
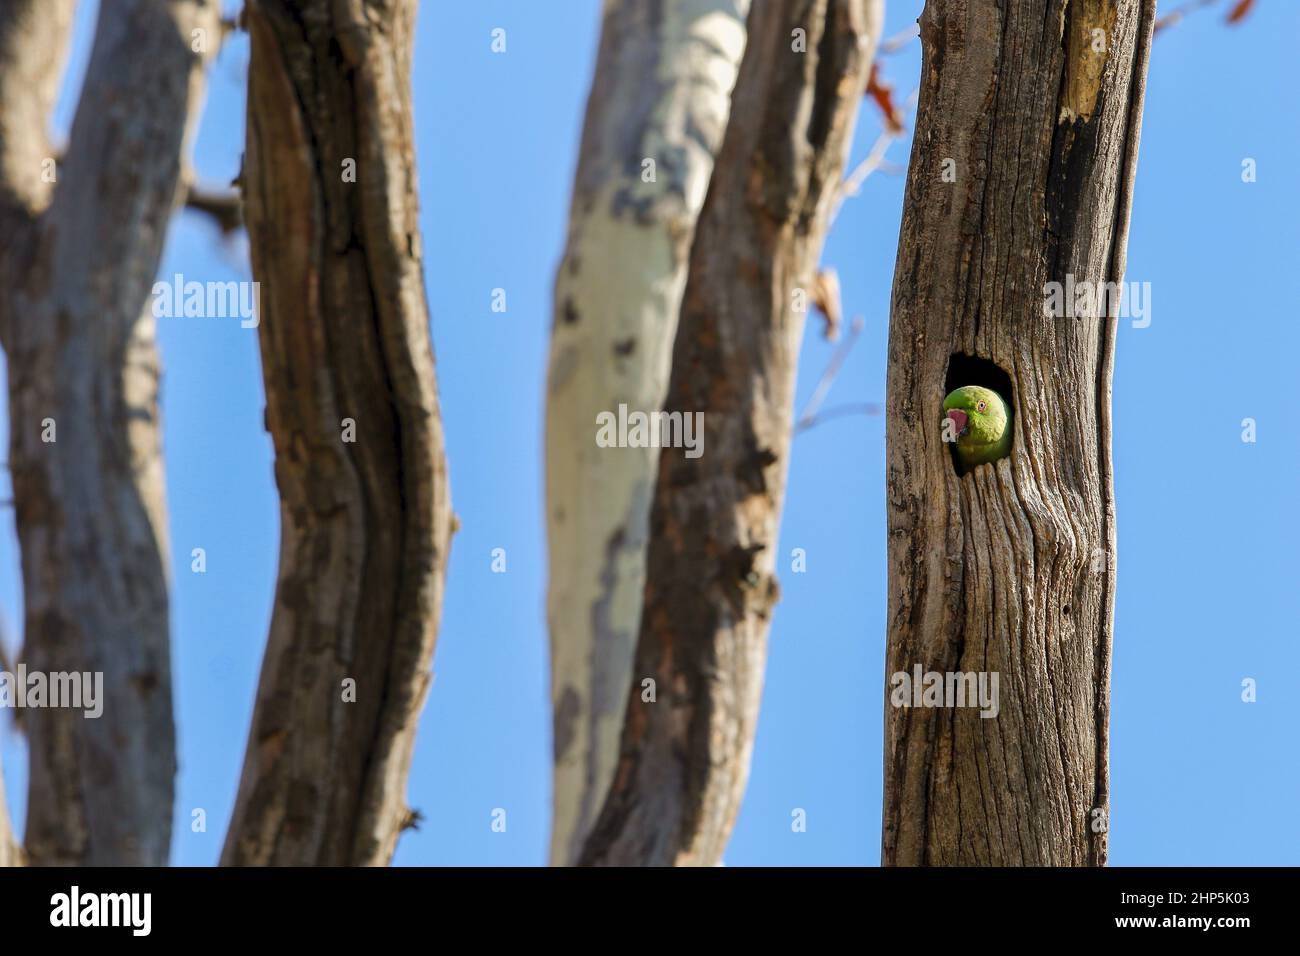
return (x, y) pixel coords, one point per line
(83, 415)
(711, 565)
(661, 93)
(1010, 568)
(33, 41)
(365, 524)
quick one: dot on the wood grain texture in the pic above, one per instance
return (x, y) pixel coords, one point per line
(79, 337)
(710, 573)
(365, 525)
(661, 93)
(1010, 568)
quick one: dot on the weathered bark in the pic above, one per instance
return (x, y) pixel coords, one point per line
(661, 92)
(710, 571)
(33, 39)
(1009, 569)
(365, 523)
(85, 436)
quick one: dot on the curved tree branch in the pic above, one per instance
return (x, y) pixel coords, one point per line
(352, 407)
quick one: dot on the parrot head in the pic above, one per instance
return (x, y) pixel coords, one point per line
(981, 423)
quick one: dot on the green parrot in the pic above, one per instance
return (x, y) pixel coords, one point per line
(981, 420)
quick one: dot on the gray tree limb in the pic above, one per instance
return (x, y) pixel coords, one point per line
(223, 207)
(33, 40)
(84, 447)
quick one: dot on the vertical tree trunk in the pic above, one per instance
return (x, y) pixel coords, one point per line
(711, 565)
(352, 408)
(1036, 107)
(85, 436)
(33, 38)
(658, 106)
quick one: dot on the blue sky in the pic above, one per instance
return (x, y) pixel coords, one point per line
(1208, 524)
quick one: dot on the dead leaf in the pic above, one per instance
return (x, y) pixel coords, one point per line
(882, 95)
(1240, 11)
(826, 298)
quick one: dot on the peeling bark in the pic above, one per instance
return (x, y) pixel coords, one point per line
(79, 336)
(710, 571)
(365, 524)
(1010, 568)
(661, 92)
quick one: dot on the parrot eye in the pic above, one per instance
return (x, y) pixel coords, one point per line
(981, 405)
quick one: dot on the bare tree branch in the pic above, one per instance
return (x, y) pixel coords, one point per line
(84, 429)
(33, 43)
(807, 416)
(352, 407)
(1177, 14)
(840, 411)
(225, 208)
(647, 152)
(874, 161)
(710, 573)
(899, 41)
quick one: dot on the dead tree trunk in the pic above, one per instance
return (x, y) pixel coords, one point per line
(33, 38)
(352, 407)
(79, 260)
(711, 564)
(658, 106)
(1021, 175)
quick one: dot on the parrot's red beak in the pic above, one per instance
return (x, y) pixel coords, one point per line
(959, 419)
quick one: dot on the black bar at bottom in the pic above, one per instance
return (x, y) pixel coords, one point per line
(566, 907)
